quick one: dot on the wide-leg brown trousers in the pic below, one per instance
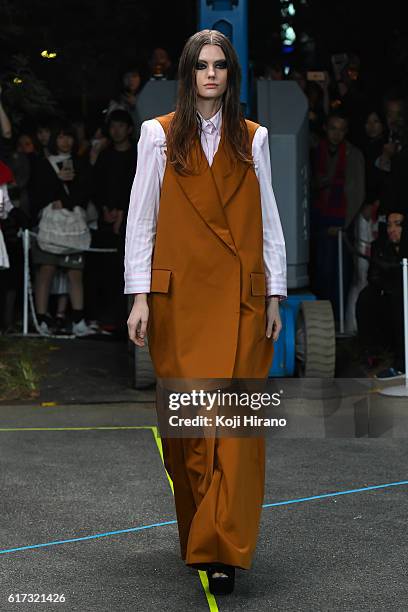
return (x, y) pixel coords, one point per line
(218, 490)
(219, 482)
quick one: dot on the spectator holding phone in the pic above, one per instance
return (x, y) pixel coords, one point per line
(99, 142)
(63, 179)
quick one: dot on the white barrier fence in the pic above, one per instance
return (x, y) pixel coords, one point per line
(27, 289)
(28, 297)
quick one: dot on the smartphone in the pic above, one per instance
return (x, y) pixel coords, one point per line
(68, 165)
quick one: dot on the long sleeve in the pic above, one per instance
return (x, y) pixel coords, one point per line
(143, 209)
(273, 239)
(46, 187)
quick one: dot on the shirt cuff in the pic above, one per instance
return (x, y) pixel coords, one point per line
(132, 287)
(281, 298)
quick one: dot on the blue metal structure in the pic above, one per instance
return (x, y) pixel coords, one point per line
(282, 108)
(284, 360)
(231, 18)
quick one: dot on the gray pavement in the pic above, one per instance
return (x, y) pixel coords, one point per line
(344, 552)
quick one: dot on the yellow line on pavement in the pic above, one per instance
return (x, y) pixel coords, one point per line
(74, 428)
(212, 604)
(157, 439)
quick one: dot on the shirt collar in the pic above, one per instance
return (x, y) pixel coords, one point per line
(213, 123)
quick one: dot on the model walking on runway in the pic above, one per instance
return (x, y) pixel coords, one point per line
(205, 260)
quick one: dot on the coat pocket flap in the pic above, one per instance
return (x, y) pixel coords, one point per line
(160, 281)
(258, 285)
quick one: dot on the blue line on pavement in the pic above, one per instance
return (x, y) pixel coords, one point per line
(281, 503)
(98, 535)
(302, 499)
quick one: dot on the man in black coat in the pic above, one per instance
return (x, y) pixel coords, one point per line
(113, 176)
(379, 308)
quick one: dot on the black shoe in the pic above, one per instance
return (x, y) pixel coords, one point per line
(221, 585)
(389, 374)
(45, 325)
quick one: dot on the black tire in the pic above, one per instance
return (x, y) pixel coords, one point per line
(315, 340)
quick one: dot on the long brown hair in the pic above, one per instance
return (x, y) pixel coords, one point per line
(184, 127)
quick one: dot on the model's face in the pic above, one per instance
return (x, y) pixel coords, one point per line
(65, 143)
(373, 126)
(211, 72)
(394, 227)
(336, 131)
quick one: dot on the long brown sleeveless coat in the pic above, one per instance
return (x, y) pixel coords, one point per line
(208, 320)
(208, 282)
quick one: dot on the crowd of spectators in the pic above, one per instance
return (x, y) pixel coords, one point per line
(62, 172)
(358, 154)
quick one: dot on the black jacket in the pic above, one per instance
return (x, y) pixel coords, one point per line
(46, 187)
(113, 173)
(385, 270)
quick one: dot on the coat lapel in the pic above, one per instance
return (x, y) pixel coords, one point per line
(227, 175)
(202, 191)
(210, 190)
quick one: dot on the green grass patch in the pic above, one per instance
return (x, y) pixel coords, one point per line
(23, 362)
